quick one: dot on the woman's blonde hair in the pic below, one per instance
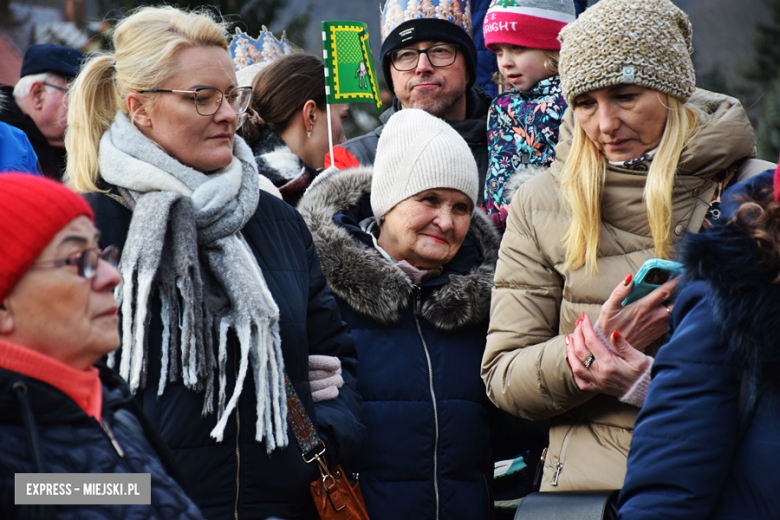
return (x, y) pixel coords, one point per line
(550, 65)
(146, 45)
(582, 186)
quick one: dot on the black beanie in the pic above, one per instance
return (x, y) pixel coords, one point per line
(434, 30)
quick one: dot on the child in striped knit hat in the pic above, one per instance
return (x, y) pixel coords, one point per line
(523, 122)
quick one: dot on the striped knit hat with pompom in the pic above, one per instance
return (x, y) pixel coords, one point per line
(527, 23)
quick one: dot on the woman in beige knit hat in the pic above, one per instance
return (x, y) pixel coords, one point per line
(643, 158)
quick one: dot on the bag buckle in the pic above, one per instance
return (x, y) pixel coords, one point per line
(321, 465)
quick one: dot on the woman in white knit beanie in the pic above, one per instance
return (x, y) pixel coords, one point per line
(643, 158)
(411, 264)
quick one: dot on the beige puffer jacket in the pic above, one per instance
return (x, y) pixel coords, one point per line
(536, 300)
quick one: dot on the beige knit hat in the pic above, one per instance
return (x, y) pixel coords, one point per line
(418, 152)
(643, 42)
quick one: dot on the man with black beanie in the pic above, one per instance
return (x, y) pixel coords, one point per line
(429, 62)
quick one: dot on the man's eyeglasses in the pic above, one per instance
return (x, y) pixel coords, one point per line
(208, 99)
(86, 260)
(442, 55)
(63, 89)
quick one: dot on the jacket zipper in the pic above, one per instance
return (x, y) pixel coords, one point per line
(111, 437)
(417, 311)
(238, 449)
(559, 466)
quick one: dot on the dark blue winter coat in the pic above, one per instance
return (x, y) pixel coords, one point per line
(236, 478)
(427, 455)
(70, 441)
(750, 187)
(688, 459)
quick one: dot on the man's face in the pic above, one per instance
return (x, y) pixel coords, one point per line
(440, 91)
(51, 114)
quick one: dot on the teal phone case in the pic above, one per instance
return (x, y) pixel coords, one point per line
(641, 288)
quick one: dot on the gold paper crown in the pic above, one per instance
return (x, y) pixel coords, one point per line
(455, 11)
(250, 55)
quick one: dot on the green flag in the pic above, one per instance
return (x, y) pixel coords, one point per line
(350, 75)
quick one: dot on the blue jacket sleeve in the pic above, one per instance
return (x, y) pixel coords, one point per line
(16, 152)
(338, 420)
(686, 433)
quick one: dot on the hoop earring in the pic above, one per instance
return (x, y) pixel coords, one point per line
(311, 129)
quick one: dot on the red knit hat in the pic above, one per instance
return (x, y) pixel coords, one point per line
(32, 210)
(527, 23)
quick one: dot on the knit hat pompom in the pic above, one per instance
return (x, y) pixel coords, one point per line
(418, 152)
(646, 43)
(527, 23)
(32, 211)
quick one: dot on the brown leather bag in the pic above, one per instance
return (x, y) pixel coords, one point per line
(335, 498)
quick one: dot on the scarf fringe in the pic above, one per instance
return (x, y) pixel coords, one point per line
(166, 341)
(260, 344)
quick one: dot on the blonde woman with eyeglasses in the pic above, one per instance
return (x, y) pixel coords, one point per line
(642, 159)
(223, 299)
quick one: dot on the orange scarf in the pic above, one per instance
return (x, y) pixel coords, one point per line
(84, 387)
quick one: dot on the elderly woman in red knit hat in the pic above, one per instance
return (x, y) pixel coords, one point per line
(59, 413)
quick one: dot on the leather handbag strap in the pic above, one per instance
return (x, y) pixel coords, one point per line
(568, 505)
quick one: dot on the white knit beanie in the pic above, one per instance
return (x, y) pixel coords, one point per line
(418, 152)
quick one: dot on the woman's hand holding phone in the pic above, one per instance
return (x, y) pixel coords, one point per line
(611, 372)
(642, 322)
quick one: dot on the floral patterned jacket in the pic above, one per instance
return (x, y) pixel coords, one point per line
(522, 131)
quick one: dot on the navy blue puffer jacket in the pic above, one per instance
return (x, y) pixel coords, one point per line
(236, 478)
(428, 453)
(688, 459)
(70, 441)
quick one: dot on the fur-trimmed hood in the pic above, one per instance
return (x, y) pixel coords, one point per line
(374, 287)
(281, 166)
(745, 297)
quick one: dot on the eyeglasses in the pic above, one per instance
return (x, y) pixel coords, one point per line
(86, 260)
(208, 99)
(442, 55)
(63, 89)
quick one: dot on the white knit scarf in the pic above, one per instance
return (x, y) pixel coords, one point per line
(182, 217)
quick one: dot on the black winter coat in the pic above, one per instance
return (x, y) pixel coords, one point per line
(236, 478)
(473, 130)
(70, 441)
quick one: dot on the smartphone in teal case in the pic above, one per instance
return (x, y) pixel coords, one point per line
(653, 274)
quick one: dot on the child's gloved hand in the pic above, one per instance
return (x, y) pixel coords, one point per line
(499, 219)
